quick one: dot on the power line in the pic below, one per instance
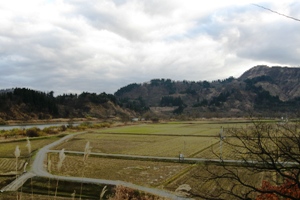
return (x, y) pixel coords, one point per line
(293, 18)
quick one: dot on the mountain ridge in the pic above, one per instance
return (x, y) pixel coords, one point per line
(260, 91)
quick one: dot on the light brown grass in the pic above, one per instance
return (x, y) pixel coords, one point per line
(145, 173)
(149, 145)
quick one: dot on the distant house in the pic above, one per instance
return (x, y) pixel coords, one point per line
(135, 119)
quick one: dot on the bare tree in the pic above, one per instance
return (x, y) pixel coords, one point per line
(264, 163)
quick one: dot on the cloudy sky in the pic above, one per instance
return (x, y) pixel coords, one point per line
(101, 45)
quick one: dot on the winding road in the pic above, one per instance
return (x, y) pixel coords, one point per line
(39, 169)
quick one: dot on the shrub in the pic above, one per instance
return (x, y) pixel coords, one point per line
(63, 128)
(14, 133)
(125, 193)
(3, 122)
(33, 132)
(102, 125)
(50, 130)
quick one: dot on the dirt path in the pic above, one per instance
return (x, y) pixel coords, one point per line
(16, 184)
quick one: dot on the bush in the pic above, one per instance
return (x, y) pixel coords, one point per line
(63, 128)
(50, 130)
(102, 125)
(155, 120)
(33, 132)
(13, 133)
(125, 193)
(3, 122)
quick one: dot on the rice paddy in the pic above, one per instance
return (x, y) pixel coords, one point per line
(146, 173)
(7, 148)
(192, 139)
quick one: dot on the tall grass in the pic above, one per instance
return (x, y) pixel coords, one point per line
(49, 165)
(103, 191)
(73, 195)
(28, 145)
(17, 155)
(61, 157)
(87, 152)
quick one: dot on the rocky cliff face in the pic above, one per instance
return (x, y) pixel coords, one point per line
(283, 82)
(257, 71)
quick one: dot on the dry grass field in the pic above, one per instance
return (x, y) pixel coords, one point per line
(193, 139)
(8, 165)
(216, 150)
(168, 139)
(8, 160)
(197, 178)
(7, 148)
(146, 173)
(150, 145)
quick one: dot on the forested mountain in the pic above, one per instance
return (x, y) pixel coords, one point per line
(262, 90)
(26, 104)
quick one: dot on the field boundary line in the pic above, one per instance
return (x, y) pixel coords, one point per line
(210, 146)
(156, 134)
(177, 176)
(130, 157)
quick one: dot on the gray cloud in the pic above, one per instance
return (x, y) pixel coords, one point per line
(100, 46)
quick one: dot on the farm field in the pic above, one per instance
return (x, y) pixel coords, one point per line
(168, 139)
(193, 139)
(8, 165)
(4, 180)
(146, 173)
(198, 176)
(8, 160)
(206, 128)
(7, 148)
(150, 145)
(215, 151)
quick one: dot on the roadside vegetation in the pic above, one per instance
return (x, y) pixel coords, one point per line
(48, 131)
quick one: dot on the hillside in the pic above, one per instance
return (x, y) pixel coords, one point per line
(27, 104)
(262, 90)
(279, 81)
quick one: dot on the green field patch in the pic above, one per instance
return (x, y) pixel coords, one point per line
(196, 128)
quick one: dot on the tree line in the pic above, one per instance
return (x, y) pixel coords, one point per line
(32, 101)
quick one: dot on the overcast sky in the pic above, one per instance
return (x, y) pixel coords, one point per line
(101, 45)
